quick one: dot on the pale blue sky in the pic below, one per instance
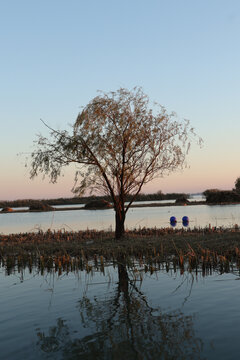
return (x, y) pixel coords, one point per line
(56, 54)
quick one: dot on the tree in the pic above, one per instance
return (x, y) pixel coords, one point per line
(237, 185)
(119, 144)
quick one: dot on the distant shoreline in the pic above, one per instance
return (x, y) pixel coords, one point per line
(193, 203)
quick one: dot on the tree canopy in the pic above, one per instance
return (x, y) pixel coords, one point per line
(237, 185)
(119, 143)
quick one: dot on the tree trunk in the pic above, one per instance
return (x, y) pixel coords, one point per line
(119, 223)
(123, 278)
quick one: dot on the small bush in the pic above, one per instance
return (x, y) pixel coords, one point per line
(7, 209)
(182, 200)
(40, 206)
(98, 204)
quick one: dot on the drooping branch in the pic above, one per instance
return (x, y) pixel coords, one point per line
(120, 144)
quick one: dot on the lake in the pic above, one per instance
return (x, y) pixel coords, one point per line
(199, 216)
(119, 312)
(166, 315)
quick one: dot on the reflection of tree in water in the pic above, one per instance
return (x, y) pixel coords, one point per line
(124, 327)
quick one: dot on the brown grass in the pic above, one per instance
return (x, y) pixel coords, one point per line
(205, 250)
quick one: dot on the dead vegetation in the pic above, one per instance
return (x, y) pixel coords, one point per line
(202, 250)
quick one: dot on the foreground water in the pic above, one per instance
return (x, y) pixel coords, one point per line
(108, 315)
(199, 216)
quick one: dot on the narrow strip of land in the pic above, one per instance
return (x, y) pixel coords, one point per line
(193, 203)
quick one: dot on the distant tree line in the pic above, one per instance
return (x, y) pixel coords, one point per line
(223, 196)
(84, 200)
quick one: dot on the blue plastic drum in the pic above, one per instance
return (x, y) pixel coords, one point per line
(173, 221)
(185, 221)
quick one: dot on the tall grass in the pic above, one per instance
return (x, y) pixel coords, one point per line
(204, 250)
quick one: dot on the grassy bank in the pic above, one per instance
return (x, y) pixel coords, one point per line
(205, 249)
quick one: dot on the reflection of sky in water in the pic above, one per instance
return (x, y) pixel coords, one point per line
(69, 206)
(199, 216)
(32, 305)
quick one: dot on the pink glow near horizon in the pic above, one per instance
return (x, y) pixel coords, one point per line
(205, 171)
(179, 182)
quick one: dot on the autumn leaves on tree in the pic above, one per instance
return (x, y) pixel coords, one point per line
(118, 143)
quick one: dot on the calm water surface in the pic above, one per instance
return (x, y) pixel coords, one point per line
(105, 316)
(199, 216)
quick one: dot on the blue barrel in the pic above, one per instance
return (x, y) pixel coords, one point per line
(185, 221)
(173, 221)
